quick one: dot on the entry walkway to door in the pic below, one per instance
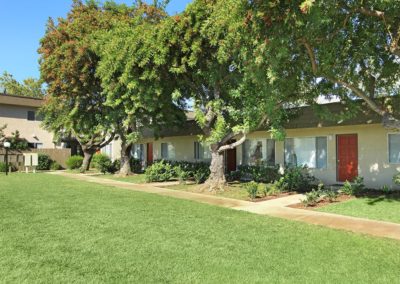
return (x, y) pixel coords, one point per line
(276, 207)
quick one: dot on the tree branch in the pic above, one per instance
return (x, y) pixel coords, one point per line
(311, 55)
(371, 13)
(233, 145)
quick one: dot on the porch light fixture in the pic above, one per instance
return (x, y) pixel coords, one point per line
(7, 146)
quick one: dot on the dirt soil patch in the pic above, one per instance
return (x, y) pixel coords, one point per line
(322, 202)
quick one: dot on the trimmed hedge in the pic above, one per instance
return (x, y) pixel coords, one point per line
(74, 162)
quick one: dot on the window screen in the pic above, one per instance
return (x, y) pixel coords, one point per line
(394, 148)
(31, 115)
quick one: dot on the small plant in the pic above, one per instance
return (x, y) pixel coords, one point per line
(355, 188)
(44, 162)
(263, 189)
(386, 189)
(55, 166)
(331, 195)
(396, 179)
(2, 167)
(181, 174)
(274, 190)
(312, 198)
(201, 175)
(74, 162)
(136, 165)
(252, 189)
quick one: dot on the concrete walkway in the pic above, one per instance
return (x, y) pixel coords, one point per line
(276, 207)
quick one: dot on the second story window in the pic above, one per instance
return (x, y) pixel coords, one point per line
(31, 115)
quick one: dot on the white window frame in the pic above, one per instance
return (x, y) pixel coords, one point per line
(388, 147)
(315, 137)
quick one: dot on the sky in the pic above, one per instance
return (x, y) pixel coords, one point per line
(22, 25)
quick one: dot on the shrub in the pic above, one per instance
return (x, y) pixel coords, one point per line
(234, 176)
(103, 163)
(55, 166)
(95, 159)
(331, 194)
(295, 179)
(74, 162)
(116, 165)
(386, 189)
(159, 171)
(181, 174)
(396, 179)
(201, 175)
(199, 171)
(355, 188)
(136, 165)
(44, 162)
(2, 167)
(252, 189)
(272, 189)
(258, 173)
(263, 189)
(312, 198)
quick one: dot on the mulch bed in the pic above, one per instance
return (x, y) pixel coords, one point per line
(322, 202)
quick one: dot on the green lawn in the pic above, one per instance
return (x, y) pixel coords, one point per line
(231, 191)
(137, 178)
(377, 208)
(54, 229)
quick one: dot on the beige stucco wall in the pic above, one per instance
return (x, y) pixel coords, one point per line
(16, 119)
(373, 156)
(373, 152)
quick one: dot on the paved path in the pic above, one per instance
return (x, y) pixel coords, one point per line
(276, 208)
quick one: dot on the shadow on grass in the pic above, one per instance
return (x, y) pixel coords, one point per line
(375, 199)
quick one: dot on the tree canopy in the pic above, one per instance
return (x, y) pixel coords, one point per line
(68, 65)
(29, 87)
(338, 49)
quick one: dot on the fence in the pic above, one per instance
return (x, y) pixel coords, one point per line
(16, 158)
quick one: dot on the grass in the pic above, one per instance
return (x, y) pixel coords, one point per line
(232, 191)
(377, 208)
(53, 229)
(136, 178)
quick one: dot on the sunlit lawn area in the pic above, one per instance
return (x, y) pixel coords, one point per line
(136, 178)
(54, 229)
(233, 190)
(377, 208)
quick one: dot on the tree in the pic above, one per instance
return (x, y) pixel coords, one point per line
(2, 134)
(18, 143)
(208, 64)
(68, 63)
(30, 87)
(346, 49)
(135, 78)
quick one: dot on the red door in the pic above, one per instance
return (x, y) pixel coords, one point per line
(230, 160)
(347, 157)
(149, 151)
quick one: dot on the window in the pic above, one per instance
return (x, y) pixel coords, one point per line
(394, 148)
(167, 151)
(138, 152)
(107, 150)
(35, 145)
(201, 151)
(270, 152)
(252, 152)
(31, 115)
(309, 151)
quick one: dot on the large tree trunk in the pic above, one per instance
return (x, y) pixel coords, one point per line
(125, 159)
(216, 181)
(87, 158)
